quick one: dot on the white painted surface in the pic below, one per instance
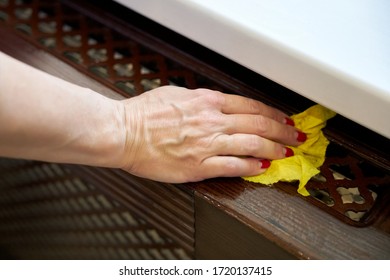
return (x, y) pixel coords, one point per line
(336, 53)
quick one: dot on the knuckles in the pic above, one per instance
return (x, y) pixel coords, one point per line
(252, 145)
(262, 124)
(213, 98)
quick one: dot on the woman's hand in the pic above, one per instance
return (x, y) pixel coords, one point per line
(169, 134)
(178, 135)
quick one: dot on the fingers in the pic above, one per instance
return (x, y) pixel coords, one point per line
(245, 115)
(249, 145)
(231, 160)
(264, 127)
(235, 104)
(228, 166)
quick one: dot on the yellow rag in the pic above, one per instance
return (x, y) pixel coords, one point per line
(307, 158)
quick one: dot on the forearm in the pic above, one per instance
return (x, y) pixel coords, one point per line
(45, 118)
(169, 134)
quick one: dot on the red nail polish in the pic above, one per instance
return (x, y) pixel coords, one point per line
(289, 121)
(265, 163)
(301, 136)
(288, 152)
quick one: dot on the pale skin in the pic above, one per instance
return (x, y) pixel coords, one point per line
(169, 134)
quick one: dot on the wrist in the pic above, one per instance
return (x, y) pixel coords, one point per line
(109, 145)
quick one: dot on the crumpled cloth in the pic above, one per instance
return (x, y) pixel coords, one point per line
(307, 158)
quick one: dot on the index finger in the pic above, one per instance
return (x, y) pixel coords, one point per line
(235, 104)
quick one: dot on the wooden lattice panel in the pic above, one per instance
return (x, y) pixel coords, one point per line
(352, 188)
(46, 212)
(115, 60)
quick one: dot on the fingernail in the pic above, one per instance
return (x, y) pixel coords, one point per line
(288, 152)
(289, 121)
(301, 137)
(265, 163)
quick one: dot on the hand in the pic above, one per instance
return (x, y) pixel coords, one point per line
(170, 134)
(179, 135)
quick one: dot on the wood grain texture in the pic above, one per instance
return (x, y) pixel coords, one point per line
(293, 224)
(221, 236)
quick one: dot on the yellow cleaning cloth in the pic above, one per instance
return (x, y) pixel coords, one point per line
(307, 158)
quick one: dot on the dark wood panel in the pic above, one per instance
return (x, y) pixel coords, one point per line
(221, 236)
(53, 211)
(287, 220)
(167, 208)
